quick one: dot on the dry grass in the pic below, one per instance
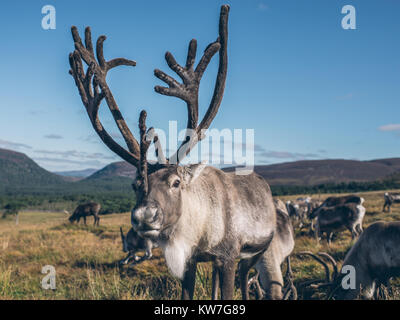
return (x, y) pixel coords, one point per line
(86, 259)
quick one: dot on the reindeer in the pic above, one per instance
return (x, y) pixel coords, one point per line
(269, 266)
(85, 210)
(340, 217)
(132, 243)
(374, 258)
(390, 198)
(298, 210)
(195, 212)
(340, 203)
(336, 201)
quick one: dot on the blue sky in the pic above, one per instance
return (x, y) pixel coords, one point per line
(309, 89)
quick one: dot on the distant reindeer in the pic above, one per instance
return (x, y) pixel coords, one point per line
(347, 216)
(375, 258)
(338, 213)
(195, 212)
(336, 201)
(133, 243)
(298, 210)
(390, 199)
(85, 210)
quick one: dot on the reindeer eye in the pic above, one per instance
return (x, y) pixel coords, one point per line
(176, 183)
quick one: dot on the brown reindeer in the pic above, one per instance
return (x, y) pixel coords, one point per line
(86, 210)
(195, 212)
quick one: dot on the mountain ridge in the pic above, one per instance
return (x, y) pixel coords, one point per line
(18, 171)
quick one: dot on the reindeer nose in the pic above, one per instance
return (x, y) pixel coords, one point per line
(136, 216)
(150, 213)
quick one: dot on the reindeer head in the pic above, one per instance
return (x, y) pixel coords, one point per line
(160, 208)
(159, 185)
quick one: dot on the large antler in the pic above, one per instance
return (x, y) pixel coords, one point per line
(189, 89)
(93, 88)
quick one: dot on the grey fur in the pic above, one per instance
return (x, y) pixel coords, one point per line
(207, 215)
(375, 257)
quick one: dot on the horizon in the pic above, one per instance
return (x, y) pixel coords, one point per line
(308, 88)
(222, 167)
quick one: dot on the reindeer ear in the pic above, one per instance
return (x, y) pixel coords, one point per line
(191, 172)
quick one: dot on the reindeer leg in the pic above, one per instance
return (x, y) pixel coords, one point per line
(244, 267)
(188, 282)
(329, 235)
(317, 232)
(227, 279)
(244, 278)
(215, 283)
(149, 248)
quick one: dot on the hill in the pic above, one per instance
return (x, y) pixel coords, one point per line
(116, 169)
(298, 173)
(21, 175)
(77, 173)
(17, 169)
(314, 172)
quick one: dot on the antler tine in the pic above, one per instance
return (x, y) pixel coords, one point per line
(161, 160)
(332, 261)
(189, 89)
(222, 71)
(318, 259)
(93, 88)
(144, 146)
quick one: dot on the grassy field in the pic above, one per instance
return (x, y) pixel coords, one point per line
(86, 259)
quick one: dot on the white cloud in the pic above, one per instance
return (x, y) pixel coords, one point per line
(13, 145)
(390, 127)
(262, 6)
(53, 136)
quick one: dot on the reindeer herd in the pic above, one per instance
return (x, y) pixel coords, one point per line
(197, 213)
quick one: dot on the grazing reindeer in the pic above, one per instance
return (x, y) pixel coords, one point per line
(330, 219)
(132, 243)
(269, 266)
(298, 209)
(85, 210)
(195, 212)
(336, 201)
(328, 215)
(375, 258)
(390, 198)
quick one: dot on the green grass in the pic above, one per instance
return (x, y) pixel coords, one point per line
(86, 259)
